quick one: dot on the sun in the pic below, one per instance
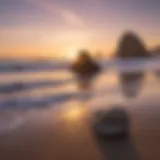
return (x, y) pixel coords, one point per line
(72, 53)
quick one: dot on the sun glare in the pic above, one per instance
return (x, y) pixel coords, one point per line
(72, 53)
(74, 113)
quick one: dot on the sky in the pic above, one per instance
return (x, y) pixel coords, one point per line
(58, 28)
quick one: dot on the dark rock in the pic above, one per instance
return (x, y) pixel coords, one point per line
(111, 124)
(130, 47)
(85, 69)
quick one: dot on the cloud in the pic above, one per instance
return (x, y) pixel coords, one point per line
(65, 14)
(70, 17)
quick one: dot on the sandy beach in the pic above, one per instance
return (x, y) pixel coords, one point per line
(66, 133)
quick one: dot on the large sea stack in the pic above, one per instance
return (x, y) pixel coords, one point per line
(130, 47)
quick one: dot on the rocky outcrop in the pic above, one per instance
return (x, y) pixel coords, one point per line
(130, 46)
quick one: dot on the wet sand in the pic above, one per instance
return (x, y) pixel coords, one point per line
(66, 133)
(48, 136)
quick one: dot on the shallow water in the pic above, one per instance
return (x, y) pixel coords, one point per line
(42, 91)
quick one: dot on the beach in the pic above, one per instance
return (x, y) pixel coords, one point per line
(64, 130)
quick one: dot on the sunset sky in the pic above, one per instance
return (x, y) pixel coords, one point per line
(33, 28)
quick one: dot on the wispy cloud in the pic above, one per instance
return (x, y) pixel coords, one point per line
(70, 17)
(63, 13)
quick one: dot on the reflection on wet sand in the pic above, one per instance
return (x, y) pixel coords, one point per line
(66, 133)
(41, 139)
(131, 83)
(73, 113)
(156, 54)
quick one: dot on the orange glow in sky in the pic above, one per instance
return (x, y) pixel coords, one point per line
(57, 28)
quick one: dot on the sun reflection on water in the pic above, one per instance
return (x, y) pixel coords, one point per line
(74, 113)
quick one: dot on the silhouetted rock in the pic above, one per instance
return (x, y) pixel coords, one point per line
(85, 68)
(130, 47)
(112, 134)
(111, 124)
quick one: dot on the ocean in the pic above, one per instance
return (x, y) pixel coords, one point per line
(27, 84)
